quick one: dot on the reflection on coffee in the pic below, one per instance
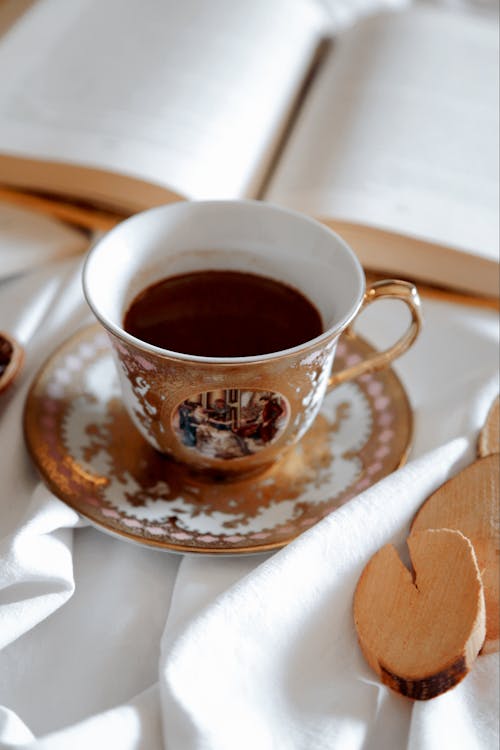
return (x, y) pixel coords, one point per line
(222, 314)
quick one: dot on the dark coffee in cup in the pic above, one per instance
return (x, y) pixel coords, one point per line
(222, 314)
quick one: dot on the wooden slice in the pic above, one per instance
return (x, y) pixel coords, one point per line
(422, 636)
(11, 360)
(469, 502)
(489, 437)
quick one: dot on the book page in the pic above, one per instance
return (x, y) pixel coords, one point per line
(189, 95)
(400, 131)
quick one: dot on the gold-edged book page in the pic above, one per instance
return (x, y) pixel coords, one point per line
(74, 213)
(110, 191)
(188, 96)
(394, 140)
(459, 274)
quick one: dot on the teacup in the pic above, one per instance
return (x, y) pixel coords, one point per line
(228, 417)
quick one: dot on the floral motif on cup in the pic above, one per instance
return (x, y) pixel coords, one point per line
(137, 375)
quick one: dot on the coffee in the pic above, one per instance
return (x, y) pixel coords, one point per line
(222, 314)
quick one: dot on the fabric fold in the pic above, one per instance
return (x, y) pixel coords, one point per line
(257, 651)
(279, 646)
(132, 726)
(36, 566)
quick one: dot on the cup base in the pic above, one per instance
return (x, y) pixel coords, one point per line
(218, 476)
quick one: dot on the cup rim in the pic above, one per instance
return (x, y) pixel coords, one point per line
(122, 334)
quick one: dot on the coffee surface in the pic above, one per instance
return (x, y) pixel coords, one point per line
(222, 314)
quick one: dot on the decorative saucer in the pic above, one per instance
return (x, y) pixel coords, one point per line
(93, 458)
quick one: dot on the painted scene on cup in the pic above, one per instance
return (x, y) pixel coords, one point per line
(230, 423)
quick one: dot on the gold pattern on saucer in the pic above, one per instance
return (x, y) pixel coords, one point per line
(93, 458)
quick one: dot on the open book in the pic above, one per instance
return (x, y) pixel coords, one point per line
(388, 133)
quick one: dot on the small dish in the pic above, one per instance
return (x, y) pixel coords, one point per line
(11, 360)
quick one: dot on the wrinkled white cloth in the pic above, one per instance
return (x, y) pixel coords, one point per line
(107, 644)
(276, 658)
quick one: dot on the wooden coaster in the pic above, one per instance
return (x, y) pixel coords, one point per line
(11, 360)
(489, 437)
(421, 635)
(469, 502)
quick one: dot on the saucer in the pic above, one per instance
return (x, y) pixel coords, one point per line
(93, 458)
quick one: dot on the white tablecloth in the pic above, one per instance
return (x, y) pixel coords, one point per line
(104, 644)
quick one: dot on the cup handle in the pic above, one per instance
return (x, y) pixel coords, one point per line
(391, 289)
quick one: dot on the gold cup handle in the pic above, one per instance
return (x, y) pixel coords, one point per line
(391, 289)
